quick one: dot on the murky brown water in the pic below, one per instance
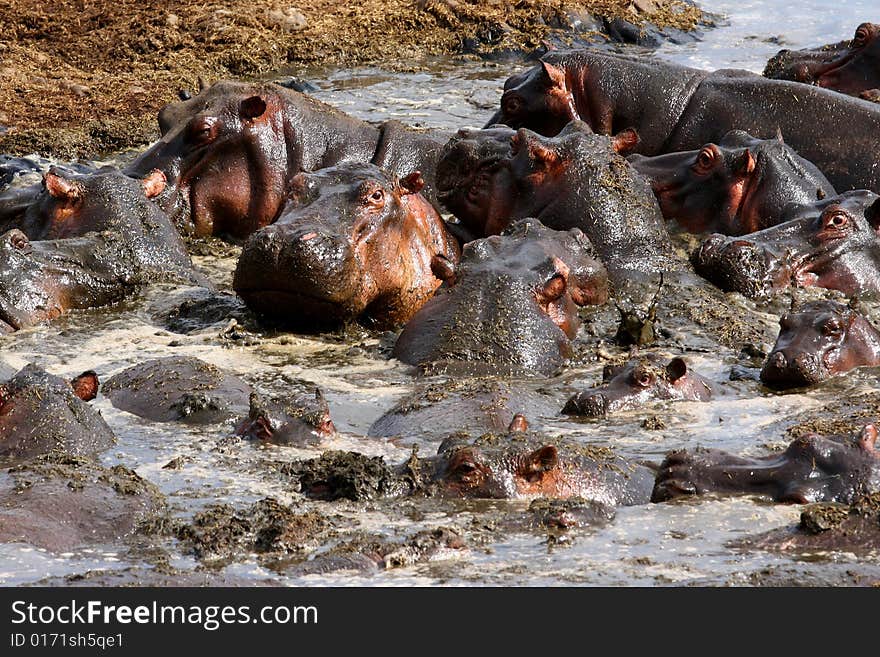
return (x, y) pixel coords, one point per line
(677, 543)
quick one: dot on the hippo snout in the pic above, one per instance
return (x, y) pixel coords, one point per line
(587, 404)
(790, 371)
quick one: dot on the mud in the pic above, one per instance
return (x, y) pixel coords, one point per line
(78, 78)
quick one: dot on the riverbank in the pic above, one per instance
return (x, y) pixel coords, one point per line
(79, 78)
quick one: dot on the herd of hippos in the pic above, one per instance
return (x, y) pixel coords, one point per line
(561, 201)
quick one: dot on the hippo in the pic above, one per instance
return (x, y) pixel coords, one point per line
(739, 185)
(574, 180)
(509, 307)
(60, 502)
(819, 340)
(630, 385)
(505, 465)
(230, 152)
(300, 421)
(178, 389)
(113, 240)
(73, 204)
(353, 243)
(850, 67)
(813, 468)
(675, 108)
(40, 412)
(832, 243)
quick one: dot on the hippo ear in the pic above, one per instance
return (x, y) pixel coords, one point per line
(85, 386)
(625, 141)
(543, 459)
(676, 369)
(553, 289)
(779, 135)
(319, 396)
(413, 183)
(202, 84)
(539, 153)
(519, 424)
(555, 74)
(872, 214)
(746, 164)
(154, 183)
(62, 188)
(252, 108)
(443, 269)
(868, 437)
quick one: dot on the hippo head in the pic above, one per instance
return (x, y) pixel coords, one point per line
(737, 186)
(352, 243)
(215, 147)
(832, 244)
(645, 379)
(491, 176)
(473, 182)
(40, 412)
(817, 341)
(814, 468)
(299, 422)
(72, 204)
(850, 67)
(509, 306)
(540, 99)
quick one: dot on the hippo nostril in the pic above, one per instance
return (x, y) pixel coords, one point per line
(308, 236)
(18, 240)
(778, 360)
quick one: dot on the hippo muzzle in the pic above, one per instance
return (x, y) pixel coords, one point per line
(790, 370)
(741, 266)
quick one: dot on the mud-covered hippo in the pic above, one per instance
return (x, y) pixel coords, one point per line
(229, 153)
(60, 502)
(178, 388)
(814, 468)
(674, 108)
(850, 67)
(510, 306)
(832, 244)
(123, 242)
(298, 421)
(737, 186)
(819, 340)
(574, 180)
(353, 242)
(73, 204)
(632, 384)
(504, 465)
(40, 412)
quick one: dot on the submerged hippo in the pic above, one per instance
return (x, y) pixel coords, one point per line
(850, 67)
(505, 465)
(230, 152)
(813, 469)
(353, 242)
(575, 180)
(674, 108)
(817, 341)
(40, 412)
(73, 204)
(832, 244)
(59, 502)
(645, 379)
(123, 242)
(510, 306)
(737, 186)
(178, 388)
(297, 421)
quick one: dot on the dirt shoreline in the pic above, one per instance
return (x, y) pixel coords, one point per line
(80, 77)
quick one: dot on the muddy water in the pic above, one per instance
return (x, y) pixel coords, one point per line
(674, 543)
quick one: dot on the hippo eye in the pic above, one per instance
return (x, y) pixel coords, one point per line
(643, 378)
(512, 105)
(863, 33)
(19, 241)
(836, 220)
(832, 328)
(376, 197)
(706, 159)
